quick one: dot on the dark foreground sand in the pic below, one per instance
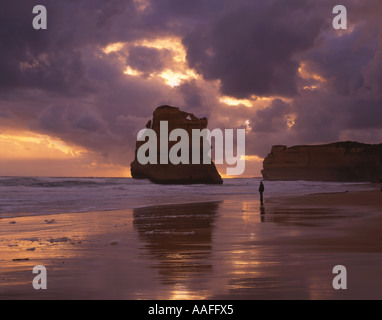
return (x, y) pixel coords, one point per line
(227, 249)
(356, 220)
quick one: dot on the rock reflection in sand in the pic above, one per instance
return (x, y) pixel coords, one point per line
(178, 236)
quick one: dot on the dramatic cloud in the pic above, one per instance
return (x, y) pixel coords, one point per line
(251, 48)
(93, 78)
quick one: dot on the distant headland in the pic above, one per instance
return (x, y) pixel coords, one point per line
(340, 161)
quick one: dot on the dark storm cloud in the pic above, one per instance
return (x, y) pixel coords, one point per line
(271, 119)
(320, 115)
(251, 48)
(191, 94)
(52, 59)
(54, 119)
(148, 60)
(350, 99)
(366, 114)
(265, 127)
(88, 121)
(48, 59)
(373, 76)
(342, 59)
(192, 11)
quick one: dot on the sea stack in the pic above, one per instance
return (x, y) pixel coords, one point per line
(340, 161)
(171, 173)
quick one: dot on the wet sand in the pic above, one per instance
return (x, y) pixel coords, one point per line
(230, 249)
(355, 220)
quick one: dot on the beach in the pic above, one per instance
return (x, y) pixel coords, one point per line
(223, 247)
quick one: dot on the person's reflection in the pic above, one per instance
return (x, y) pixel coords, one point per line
(179, 236)
(262, 213)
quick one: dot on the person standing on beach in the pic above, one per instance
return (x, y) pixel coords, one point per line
(261, 190)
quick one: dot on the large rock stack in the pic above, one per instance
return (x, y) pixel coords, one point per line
(180, 173)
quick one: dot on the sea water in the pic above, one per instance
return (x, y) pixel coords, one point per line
(21, 196)
(205, 242)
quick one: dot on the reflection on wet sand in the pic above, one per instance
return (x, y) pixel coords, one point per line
(301, 217)
(262, 213)
(178, 236)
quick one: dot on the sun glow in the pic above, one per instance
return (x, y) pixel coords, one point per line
(290, 119)
(141, 5)
(175, 72)
(113, 47)
(174, 79)
(305, 74)
(235, 102)
(253, 158)
(251, 102)
(173, 44)
(132, 72)
(29, 145)
(311, 88)
(33, 154)
(179, 70)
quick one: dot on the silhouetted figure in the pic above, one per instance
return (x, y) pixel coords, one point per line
(261, 190)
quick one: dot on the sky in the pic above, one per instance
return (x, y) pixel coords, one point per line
(74, 96)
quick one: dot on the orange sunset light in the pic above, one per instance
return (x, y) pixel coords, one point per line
(174, 73)
(32, 154)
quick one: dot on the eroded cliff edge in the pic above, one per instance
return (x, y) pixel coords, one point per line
(340, 161)
(170, 173)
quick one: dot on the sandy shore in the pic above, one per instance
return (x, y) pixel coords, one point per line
(228, 249)
(353, 222)
(371, 199)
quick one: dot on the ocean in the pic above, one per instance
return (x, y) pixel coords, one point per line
(26, 196)
(119, 238)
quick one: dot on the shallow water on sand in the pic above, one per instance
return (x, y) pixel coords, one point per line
(229, 249)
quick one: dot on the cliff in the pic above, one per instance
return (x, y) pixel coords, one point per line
(175, 173)
(341, 161)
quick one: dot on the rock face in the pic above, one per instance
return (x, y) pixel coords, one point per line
(170, 173)
(341, 161)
